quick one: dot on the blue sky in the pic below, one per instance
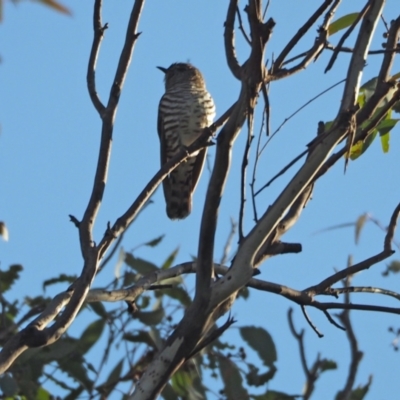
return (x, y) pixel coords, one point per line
(49, 143)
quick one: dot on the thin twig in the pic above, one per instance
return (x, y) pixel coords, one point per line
(253, 180)
(241, 28)
(112, 252)
(356, 354)
(345, 36)
(300, 33)
(282, 171)
(332, 321)
(328, 282)
(245, 162)
(98, 37)
(364, 289)
(297, 111)
(391, 228)
(315, 329)
(299, 337)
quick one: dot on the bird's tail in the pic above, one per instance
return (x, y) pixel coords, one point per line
(179, 204)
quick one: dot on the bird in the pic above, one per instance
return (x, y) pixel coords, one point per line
(185, 109)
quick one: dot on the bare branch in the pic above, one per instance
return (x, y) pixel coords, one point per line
(311, 55)
(391, 43)
(107, 129)
(296, 112)
(300, 33)
(345, 36)
(299, 338)
(241, 28)
(36, 334)
(356, 354)
(245, 162)
(314, 328)
(253, 180)
(328, 282)
(391, 229)
(332, 321)
(363, 289)
(98, 37)
(229, 35)
(281, 172)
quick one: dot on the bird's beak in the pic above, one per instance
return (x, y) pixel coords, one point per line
(163, 69)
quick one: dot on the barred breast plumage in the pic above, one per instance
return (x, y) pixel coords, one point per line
(184, 111)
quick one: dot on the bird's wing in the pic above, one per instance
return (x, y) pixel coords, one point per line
(198, 167)
(163, 150)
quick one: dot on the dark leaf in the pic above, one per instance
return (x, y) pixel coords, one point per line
(168, 393)
(261, 341)
(142, 266)
(150, 317)
(233, 389)
(129, 278)
(255, 379)
(273, 395)
(60, 279)
(77, 371)
(74, 395)
(58, 382)
(91, 335)
(171, 258)
(115, 375)
(59, 350)
(155, 242)
(393, 267)
(368, 89)
(359, 393)
(99, 309)
(143, 302)
(7, 278)
(8, 385)
(328, 365)
(140, 337)
(177, 293)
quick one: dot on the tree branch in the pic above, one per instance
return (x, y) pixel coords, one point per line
(98, 37)
(300, 33)
(229, 36)
(345, 36)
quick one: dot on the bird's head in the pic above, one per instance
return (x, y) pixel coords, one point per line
(181, 74)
